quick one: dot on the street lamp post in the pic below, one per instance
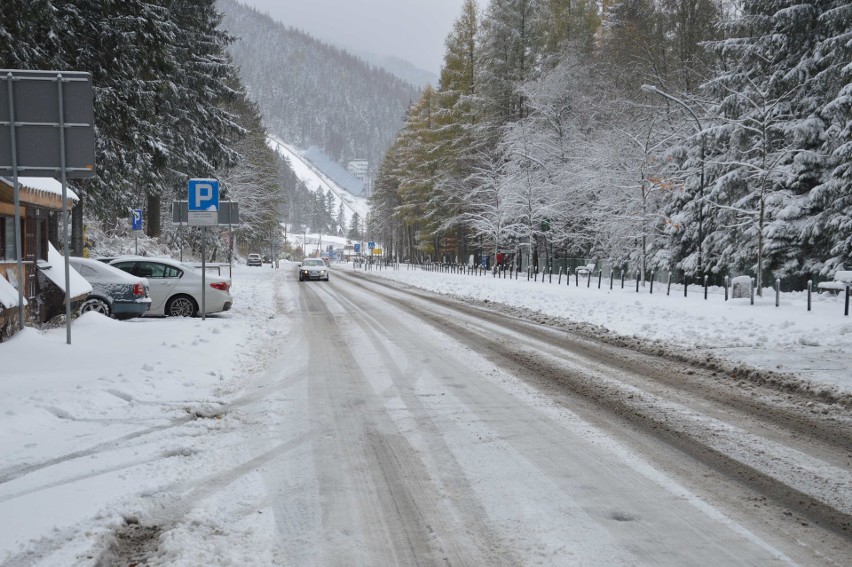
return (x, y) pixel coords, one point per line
(653, 89)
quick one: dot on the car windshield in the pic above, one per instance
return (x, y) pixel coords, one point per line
(314, 262)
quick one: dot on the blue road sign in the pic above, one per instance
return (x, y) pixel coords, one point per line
(203, 202)
(136, 219)
(357, 247)
(203, 195)
(371, 245)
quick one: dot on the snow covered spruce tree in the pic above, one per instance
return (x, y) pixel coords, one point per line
(122, 45)
(195, 129)
(505, 58)
(159, 75)
(828, 229)
(773, 142)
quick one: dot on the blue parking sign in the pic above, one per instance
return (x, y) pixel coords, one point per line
(357, 247)
(136, 219)
(203, 195)
(203, 202)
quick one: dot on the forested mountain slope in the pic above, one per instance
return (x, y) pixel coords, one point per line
(313, 94)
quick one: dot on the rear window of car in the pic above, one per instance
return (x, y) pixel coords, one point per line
(157, 270)
(126, 266)
(85, 270)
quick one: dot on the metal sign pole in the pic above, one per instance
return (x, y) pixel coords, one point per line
(17, 199)
(180, 228)
(203, 273)
(63, 175)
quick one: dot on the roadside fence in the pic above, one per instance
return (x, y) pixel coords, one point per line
(737, 287)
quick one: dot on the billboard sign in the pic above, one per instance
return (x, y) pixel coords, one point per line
(42, 102)
(229, 213)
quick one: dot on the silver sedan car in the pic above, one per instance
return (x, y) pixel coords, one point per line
(175, 287)
(114, 292)
(313, 269)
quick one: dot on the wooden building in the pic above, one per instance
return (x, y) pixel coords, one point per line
(39, 197)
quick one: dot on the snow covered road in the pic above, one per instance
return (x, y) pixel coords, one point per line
(356, 423)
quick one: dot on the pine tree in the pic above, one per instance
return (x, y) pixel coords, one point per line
(828, 230)
(559, 24)
(505, 58)
(192, 122)
(356, 229)
(455, 118)
(769, 148)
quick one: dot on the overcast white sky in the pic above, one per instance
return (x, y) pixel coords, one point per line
(414, 30)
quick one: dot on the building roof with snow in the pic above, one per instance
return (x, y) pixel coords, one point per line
(40, 191)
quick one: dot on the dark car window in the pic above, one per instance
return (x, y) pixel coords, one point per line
(149, 269)
(127, 267)
(157, 270)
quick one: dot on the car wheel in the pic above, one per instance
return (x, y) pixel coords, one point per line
(95, 304)
(181, 306)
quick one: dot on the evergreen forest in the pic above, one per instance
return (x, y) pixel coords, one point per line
(169, 106)
(697, 137)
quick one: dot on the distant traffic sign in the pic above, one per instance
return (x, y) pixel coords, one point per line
(357, 247)
(371, 245)
(136, 220)
(203, 197)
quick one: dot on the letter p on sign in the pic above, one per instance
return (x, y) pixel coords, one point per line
(203, 195)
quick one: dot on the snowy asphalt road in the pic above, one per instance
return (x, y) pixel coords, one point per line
(391, 442)
(358, 422)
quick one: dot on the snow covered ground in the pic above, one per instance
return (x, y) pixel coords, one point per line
(89, 430)
(815, 345)
(126, 422)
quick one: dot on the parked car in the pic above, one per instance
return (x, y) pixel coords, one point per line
(175, 287)
(313, 269)
(114, 292)
(254, 260)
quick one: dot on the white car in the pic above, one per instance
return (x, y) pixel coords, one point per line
(114, 292)
(313, 269)
(175, 287)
